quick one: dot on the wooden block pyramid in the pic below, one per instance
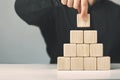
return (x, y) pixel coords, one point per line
(83, 52)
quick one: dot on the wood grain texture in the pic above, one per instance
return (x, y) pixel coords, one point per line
(63, 63)
(83, 23)
(90, 36)
(77, 63)
(76, 36)
(70, 50)
(89, 63)
(83, 50)
(103, 63)
(96, 50)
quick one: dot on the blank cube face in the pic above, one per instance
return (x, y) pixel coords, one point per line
(77, 63)
(76, 36)
(96, 50)
(63, 63)
(83, 23)
(83, 50)
(103, 63)
(70, 50)
(89, 63)
(90, 36)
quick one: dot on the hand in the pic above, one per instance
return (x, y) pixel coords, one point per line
(80, 5)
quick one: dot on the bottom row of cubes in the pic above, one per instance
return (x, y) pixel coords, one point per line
(83, 63)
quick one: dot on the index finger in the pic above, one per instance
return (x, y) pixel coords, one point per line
(84, 8)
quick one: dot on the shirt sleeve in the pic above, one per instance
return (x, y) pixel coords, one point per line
(35, 12)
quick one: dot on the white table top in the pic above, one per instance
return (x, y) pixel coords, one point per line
(49, 72)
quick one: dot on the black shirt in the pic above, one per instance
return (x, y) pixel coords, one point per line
(55, 22)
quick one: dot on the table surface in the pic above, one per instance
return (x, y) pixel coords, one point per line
(49, 72)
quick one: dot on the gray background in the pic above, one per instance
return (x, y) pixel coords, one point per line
(19, 42)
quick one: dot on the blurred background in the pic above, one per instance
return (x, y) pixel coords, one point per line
(20, 43)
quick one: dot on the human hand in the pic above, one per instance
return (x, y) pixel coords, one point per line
(80, 5)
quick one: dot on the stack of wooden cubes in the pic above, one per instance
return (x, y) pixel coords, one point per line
(83, 52)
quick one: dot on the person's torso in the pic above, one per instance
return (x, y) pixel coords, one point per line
(105, 18)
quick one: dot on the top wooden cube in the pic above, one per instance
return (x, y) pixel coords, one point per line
(83, 23)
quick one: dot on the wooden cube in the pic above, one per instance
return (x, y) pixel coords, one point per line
(63, 63)
(76, 36)
(90, 36)
(83, 50)
(96, 50)
(70, 50)
(89, 63)
(103, 63)
(81, 22)
(77, 63)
